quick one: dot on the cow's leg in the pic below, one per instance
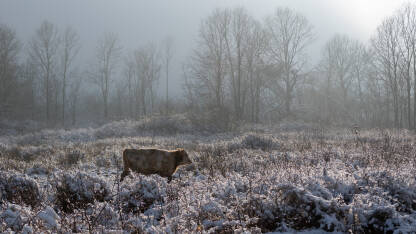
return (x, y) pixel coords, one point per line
(124, 174)
(169, 179)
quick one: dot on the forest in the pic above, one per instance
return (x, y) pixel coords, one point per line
(243, 70)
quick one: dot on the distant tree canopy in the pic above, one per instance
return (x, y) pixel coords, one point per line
(242, 70)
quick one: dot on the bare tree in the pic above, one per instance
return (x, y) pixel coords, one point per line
(167, 56)
(74, 93)
(237, 23)
(129, 74)
(387, 55)
(70, 43)
(30, 79)
(148, 69)
(255, 49)
(9, 49)
(360, 68)
(406, 20)
(208, 64)
(290, 33)
(337, 62)
(120, 97)
(108, 53)
(44, 47)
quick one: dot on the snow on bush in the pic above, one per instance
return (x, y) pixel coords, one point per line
(125, 128)
(116, 129)
(300, 210)
(50, 218)
(28, 153)
(107, 216)
(38, 169)
(11, 127)
(27, 229)
(19, 189)
(71, 158)
(12, 217)
(256, 141)
(139, 196)
(166, 125)
(305, 180)
(75, 190)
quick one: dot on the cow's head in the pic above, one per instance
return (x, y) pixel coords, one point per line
(182, 157)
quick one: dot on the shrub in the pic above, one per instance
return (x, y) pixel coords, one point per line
(141, 195)
(12, 218)
(301, 210)
(71, 158)
(19, 189)
(255, 141)
(76, 191)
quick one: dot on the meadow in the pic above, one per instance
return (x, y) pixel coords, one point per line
(254, 179)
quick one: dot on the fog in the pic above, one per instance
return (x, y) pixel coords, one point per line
(230, 62)
(207, 116)
(140, 22)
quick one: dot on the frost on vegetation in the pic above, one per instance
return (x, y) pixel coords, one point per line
(77, 190)
(300, 210)
(107, 216)
(139, 196)
(27, 153)
(102, 161)
(38, 169)
(11, 128)
(256, 182)
(12, 217)
(19, 189)
(256, 141)
(166, 125)
(27, 229)
(49, 217)
(125, 128)
(71, 158)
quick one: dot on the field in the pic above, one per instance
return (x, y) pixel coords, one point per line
(281, 178)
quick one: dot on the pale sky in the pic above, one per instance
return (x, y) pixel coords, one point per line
(138, 22)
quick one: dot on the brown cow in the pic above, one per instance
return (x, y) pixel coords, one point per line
(154, 161)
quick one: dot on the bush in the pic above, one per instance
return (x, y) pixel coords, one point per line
(19, 189)
(301, 210)
(38, 169)
(76, 191)
(26, 154)
(71, 158)
(255, 141)
(141, 195)
(12, 218)
(165, 125)
(116, 129)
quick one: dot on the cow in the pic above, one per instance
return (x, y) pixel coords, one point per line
(154, 161)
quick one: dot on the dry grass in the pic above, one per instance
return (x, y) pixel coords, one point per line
(332, 180)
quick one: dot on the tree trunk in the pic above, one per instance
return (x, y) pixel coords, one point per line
(63, 96)
(47, 98)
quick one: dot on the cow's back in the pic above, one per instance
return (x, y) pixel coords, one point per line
(148, 161)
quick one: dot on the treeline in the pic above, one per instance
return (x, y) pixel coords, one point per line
(242, 70)
(252, 71)
(42, 81)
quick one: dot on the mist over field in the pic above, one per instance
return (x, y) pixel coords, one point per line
(297, 116)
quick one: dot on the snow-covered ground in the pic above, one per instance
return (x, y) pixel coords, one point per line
(258, 179)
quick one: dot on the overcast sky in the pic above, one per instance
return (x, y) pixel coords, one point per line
(138, 22)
